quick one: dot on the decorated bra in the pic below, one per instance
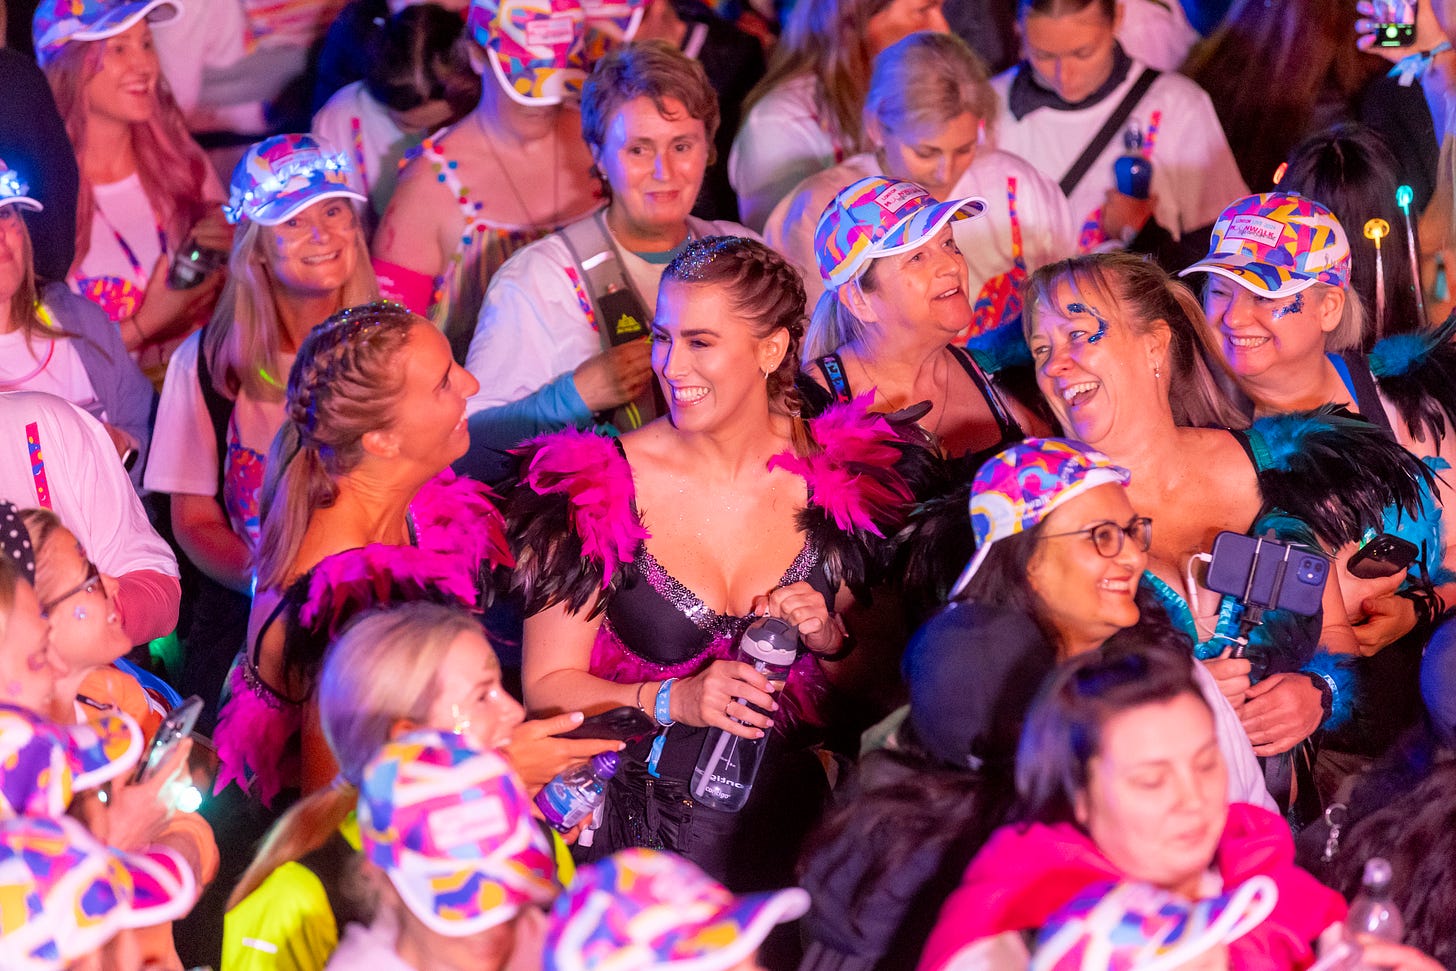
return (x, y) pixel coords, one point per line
(460, 542)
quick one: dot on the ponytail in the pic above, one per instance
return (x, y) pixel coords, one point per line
(834, 324)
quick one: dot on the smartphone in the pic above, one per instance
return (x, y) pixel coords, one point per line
(625, 724)
(174, 728)
(1384, 556)
(1395, 22)
(1267, 573)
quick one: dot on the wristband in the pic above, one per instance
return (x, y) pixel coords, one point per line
(662, 706)
(846, 648)
(1326, 686)
(639, 698)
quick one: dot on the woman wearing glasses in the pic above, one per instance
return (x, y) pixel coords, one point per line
(299, 256)
(1121, 355)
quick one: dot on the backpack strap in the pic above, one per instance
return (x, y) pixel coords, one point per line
(621, 313)
(219, 412)
(832, 367)
(1110, 127)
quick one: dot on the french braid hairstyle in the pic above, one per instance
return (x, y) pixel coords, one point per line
(765, 289)
(343, 384)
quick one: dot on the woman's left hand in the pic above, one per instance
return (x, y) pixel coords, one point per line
(1387, 620)
(1280, 712)
(804, 607)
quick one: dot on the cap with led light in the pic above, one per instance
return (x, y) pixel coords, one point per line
(58, 22)
(15, 191)
(1019, 486)
(282, 175)
(878, 216)
(1276, 245)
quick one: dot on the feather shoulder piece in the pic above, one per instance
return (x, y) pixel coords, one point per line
(572, 520)
(858, 497)
(1417, 373)
(1335, 472)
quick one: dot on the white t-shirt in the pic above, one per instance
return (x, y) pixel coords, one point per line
(1047, 230)
(83, 476)
(1245, 778)
(353, 122)
(537, 322)
(184, 450)
(126, 241)
(1194, 173)
(780, 144)
(64, 375)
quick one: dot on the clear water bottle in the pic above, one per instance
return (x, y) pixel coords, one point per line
(729, 763)
(576, 793)
(1372, 911)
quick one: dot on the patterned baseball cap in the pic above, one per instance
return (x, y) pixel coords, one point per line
(15, 191)
(875, 217)
(647, 909)
(535, 47)
(63, 894)
(1138, 927)
(42, 764)
(1017, 487)
(58, 22)
(452, 827)
(282, 175)
(1276, 245)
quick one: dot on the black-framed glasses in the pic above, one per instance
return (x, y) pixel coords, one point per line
(91, 584)
(1108, 537)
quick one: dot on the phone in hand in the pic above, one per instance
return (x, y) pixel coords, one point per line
(1395, 22)
(1267, 573)
(175, 727)
(624, 724)
(1384, 556)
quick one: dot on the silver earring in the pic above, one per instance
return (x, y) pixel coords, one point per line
(766, 374)
(1157, 372)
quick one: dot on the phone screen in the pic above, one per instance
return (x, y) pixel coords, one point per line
(1395, 23)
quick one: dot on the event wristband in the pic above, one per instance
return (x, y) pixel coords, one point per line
(662, 707)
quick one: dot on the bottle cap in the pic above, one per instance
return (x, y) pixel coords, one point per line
(1377, 873)
(604, 764)
(771, 641)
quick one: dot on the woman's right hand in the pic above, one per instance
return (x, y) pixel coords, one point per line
(137, 812)
(538, 756)
(165, 312)
(213, 232)
(1428, 32)
(1232, 675)
(714, 698)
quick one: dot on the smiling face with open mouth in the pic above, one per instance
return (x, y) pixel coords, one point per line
(1090, 365)
(706, 358)
(125, 88)
(314, 251)
(1260, 334)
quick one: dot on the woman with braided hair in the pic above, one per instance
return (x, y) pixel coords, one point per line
(643, 560)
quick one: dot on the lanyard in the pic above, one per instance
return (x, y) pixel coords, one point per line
(139, 272)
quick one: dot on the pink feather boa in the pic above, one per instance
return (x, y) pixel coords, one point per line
(460, 535)
(597, 483)
(853, 479)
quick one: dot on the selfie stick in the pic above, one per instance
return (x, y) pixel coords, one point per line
(1403, 198)
(1376, 230)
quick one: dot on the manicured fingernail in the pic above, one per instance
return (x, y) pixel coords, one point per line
(775, 706)
(760, 733)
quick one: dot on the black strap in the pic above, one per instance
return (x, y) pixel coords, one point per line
(1367, 395)
(1011, 430)
(219, 412)
(1110, 127)
(832, 367)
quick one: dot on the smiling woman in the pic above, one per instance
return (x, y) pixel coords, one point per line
(298, 257)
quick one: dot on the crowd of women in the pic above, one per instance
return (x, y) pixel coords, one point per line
(1085, 431)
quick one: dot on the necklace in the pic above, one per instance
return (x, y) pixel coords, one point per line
(938, 404)
(531, 218)
(49, 323)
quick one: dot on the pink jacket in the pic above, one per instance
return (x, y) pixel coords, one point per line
(1026, 874)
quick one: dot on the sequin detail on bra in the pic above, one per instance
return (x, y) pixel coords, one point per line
(692, 607)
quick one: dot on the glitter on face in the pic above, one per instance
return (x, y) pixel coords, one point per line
(1082, 308)
(1295, 306)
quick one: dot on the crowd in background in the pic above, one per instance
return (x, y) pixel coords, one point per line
(749, 484)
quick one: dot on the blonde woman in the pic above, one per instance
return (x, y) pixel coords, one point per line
(299, 256)
(804, 116)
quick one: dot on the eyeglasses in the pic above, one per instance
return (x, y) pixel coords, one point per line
(90, 585)
(1108, 537)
